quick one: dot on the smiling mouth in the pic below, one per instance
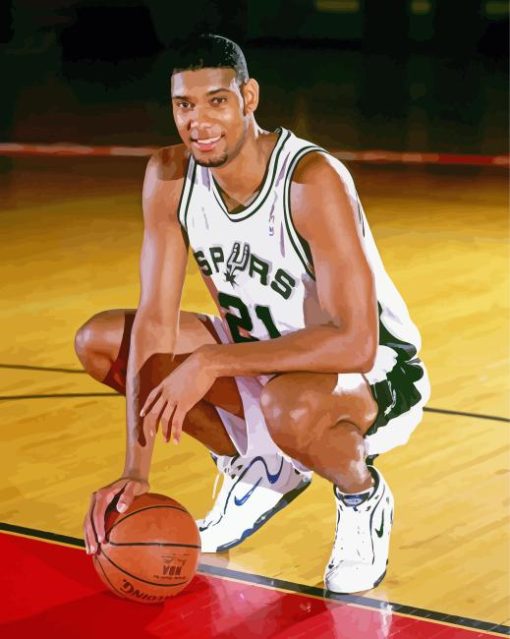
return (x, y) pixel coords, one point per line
(206, 144)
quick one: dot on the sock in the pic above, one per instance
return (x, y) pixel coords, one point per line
(355, 499)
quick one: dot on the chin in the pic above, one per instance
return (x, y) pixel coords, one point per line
(212, 162)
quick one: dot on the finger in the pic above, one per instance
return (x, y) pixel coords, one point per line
(151, 398)
(88, 534)
(177, 424)
(153, 417)
(98, 515)
(89, 537)
(166, 420)
(147, 426)
(88, 529)
(127, 496)
(103, 500)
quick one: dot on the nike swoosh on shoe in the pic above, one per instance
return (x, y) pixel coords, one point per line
(272, 478)
(379, 531)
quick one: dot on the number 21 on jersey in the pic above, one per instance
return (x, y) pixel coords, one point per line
(238, 318)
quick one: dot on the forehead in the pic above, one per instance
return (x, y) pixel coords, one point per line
(203, 80)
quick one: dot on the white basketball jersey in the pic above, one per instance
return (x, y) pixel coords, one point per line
(258, 267)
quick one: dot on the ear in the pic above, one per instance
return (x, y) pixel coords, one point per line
(250, 92)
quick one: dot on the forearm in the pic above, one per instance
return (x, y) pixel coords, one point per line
(147, 367)
(319, 349)
(138, 450)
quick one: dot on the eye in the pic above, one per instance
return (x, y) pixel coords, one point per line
(219, 100)
(182, 104)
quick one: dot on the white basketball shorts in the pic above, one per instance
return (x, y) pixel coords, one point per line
(400, 388)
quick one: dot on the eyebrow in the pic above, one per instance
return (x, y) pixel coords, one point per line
(211, 92)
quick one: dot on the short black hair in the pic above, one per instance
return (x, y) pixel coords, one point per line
(209, 50)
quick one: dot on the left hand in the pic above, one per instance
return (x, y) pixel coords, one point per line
(176, 395)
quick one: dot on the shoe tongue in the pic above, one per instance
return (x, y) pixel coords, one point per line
(223, 461)
(353, 499)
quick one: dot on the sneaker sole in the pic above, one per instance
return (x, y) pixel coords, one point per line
(374, 585)
(284, 501)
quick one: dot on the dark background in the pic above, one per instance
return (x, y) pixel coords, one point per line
(421, 75)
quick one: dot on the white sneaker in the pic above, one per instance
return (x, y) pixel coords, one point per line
(254, 489)
(360, 551)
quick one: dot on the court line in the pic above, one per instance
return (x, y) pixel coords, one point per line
(289, 586)
(50, 369)
(370, 156)
(443, 411)
(446, 411)
(59, 395)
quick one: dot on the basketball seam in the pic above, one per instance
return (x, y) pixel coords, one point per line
(151, 583)
(98, 562)
(141, 510)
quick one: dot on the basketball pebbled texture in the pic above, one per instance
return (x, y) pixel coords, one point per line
(151, 551)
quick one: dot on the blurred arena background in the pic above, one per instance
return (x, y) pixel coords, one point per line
(395, 74)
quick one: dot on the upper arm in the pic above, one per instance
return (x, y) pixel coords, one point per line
(325, 215)
(164, 250)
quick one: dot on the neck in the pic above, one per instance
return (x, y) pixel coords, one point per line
(242, 177)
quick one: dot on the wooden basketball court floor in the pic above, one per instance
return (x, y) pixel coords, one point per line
(71, 232)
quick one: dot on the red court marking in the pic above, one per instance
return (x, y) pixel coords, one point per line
(393, 157)
(49, 590)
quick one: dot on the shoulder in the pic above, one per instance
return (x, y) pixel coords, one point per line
(319, 168)
(321, 186)
(163, 182)
(169, 163)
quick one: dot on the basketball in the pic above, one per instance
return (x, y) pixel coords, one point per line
(151, 551)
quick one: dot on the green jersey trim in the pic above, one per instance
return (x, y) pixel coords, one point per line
(189, 181)
(298, 242)
(406, 351)
(267, 183)
(397, 392)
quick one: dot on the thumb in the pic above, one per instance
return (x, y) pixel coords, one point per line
(126, 497)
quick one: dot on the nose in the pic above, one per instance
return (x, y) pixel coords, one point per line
(200, 120)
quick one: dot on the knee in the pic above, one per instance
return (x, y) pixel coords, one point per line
(87, 340)
(290, 426)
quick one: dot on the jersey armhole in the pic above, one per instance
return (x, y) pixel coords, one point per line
(299, 243)
(184, 200)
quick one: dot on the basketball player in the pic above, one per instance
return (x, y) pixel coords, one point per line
(311, 364)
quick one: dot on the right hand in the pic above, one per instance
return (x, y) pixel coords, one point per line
(94, 525)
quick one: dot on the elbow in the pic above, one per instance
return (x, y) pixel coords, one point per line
(366, 364)
(362, 353)
(366, 354)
